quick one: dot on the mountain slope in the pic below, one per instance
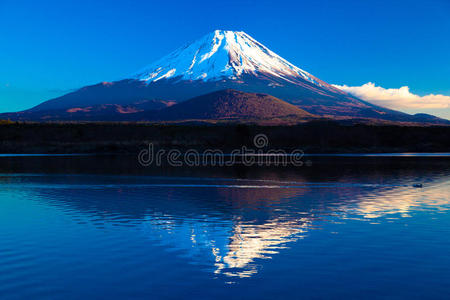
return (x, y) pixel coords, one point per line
(231, 104)
(93, 112)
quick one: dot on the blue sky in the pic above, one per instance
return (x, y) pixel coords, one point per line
(48, 48)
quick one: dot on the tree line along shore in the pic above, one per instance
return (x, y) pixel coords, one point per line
(313, 137)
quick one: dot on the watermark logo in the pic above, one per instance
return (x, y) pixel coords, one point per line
(260, 155)
(261, 140)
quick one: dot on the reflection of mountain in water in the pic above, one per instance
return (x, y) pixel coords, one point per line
(234, 223)
(250, 242)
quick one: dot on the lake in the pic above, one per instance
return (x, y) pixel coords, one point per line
(341, 227)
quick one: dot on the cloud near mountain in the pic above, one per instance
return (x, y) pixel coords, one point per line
(400, 98)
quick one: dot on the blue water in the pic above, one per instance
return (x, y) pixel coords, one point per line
(346, 231)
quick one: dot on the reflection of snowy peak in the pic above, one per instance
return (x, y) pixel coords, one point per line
(223, 55)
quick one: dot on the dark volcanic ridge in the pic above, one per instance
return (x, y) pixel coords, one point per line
(232, 105)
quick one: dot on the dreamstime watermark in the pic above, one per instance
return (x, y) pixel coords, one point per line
(216, 157)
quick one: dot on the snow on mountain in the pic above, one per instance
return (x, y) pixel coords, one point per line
(223, 55)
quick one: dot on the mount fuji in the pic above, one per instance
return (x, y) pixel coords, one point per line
(224, 55)
(220, 60)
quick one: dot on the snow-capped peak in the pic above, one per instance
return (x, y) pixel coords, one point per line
(223, 55)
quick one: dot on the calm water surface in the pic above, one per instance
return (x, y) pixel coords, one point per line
(91, 227)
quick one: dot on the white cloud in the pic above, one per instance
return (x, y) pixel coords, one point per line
(400, 98)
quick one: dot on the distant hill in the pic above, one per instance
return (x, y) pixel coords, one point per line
(231, 105)
(94, 112)
(427, 118)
